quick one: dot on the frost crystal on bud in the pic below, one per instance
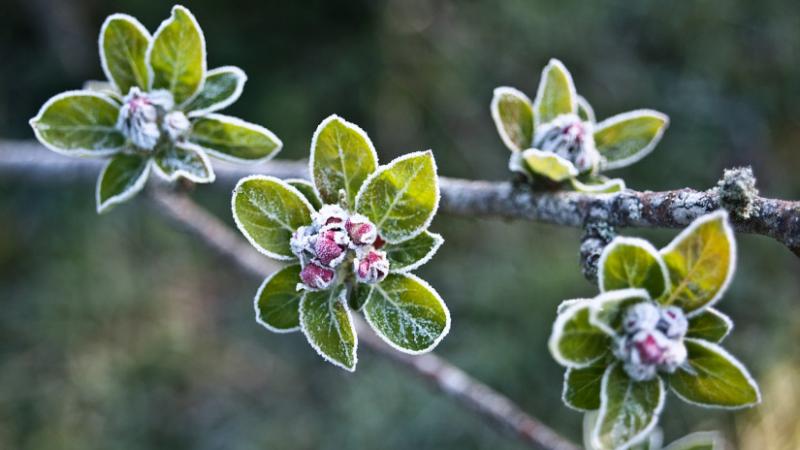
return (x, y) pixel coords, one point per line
(334, 236)
(176, 125)
(570, 138)
(372, 267)
(361, 230)
(652, 340)
(316, 277)
(139, 116)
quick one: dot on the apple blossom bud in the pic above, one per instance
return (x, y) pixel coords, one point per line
(641, 316)
(372, 267)
(138, 116)
(176, 125)
(330, 215)
(673, 322)
(316, 277)
(361, 230)
(569, 137)
(327, 250)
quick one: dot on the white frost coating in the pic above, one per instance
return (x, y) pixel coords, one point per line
(438, 240)
(567, 303)
(435, 342)
(633, 242)
(244, 124)
(81, 152)
(315, 137)
(716, 348)
(317, 349)
(598, 302)
(188, 175)
(558, 329)
(495, 109)
(101, 40)
(124, 195)
(258, 313)
(571, 169)
(729, 236)
(613, 120)
(641, 435)
(583, 103)
(542, 84)
(241, 79)
(597, 189)
(388, 166)
(697, 439)
(241, 227)
(159, 30)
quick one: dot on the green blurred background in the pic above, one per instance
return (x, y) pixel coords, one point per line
(121, 332)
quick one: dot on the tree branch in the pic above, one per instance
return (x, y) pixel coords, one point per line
(778, 219)
(442, 375)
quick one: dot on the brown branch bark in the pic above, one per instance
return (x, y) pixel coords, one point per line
(778, 219)
(442, 375)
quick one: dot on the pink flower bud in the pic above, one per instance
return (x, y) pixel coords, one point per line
(361, 230)
(569, 137)
(673, 323)
(649, 349)
(330, 215)
(641, 316)
(316, 277)
(372, 268)
(327, 250)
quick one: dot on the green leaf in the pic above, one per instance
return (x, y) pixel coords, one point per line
(267, 211)
(307, 189)
(177, 55)
(701, 261)
(710, 325)
(173, 161)
(628, 137)
(713, 378)
(234, 139)
(606, 310)
(598, 185)
(653, 440)
(549, 165)
(512, 112)
(407, 313)
(702, 440)
(79, 123)
(221, 88)
(582, 387)
(342, 157)
(629, 409)
(121, 179)
(556, 94)
(277, 302)
(359, 295)
(123, 46)
(632, 263)
(585, 110)
(408, 255)
(326, 323)
(575, 342)
(401, 197)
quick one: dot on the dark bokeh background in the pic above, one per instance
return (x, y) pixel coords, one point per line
(120, 332)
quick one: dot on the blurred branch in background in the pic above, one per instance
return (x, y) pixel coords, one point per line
(778, 219)
(444, 376)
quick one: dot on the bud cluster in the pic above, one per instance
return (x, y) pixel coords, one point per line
(144, 116)
(336, 237)
(570, 138)
(652, 340)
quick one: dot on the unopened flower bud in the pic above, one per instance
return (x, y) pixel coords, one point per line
(641, 316)
(673, 322)
(361, 230)
(138, 116)
(372, 268)
(674, 356)
(316, 277)
(176, 125)
(328, 251)
(301, 243)
(649, 347)
(570, 138)
(330, 215)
